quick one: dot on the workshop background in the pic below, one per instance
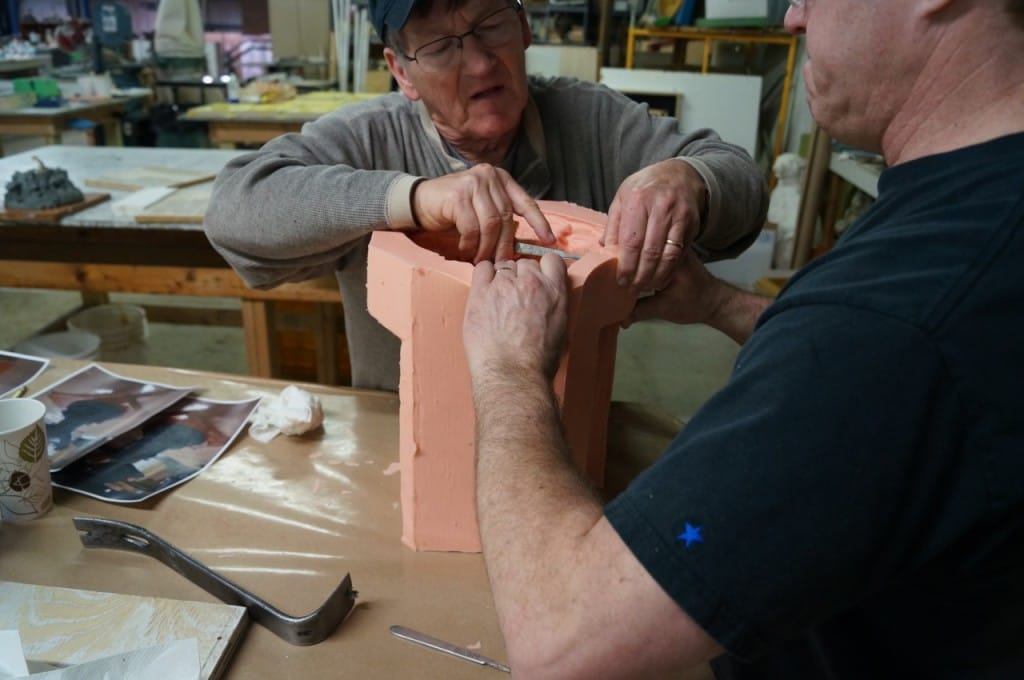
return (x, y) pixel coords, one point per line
(185, 67)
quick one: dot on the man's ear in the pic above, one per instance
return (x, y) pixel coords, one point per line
(527, 33)
(397, 67)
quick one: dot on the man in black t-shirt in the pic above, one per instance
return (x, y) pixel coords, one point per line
(851, 504)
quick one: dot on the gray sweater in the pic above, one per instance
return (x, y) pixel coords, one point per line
(305, 204)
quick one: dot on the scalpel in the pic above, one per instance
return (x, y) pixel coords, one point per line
(446, 647)
(534, 249)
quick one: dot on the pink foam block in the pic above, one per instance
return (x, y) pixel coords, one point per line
(420, 295)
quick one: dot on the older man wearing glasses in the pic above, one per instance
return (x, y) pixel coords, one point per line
(469, 141)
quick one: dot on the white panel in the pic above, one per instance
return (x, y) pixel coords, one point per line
(559, 60)
(728, 104)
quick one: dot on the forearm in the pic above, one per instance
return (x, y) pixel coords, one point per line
(535, 510)
(277, 221)
(736, 312)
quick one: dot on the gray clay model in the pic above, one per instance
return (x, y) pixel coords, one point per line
(40, 189)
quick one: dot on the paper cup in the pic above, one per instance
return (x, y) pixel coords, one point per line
(25, 488)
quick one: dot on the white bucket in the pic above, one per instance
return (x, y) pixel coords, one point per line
(62, 345)
(122, 330)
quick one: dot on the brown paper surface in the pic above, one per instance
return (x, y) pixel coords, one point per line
(287, 520)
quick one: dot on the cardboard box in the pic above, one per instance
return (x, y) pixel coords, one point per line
(735, 9)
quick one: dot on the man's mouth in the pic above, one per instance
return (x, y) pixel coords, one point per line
(486, 94)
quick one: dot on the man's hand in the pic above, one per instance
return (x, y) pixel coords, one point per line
(693, 295)
(481, 204)
(654, 218)
(516, 317)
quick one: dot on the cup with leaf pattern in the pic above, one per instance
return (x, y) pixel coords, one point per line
(25, 488)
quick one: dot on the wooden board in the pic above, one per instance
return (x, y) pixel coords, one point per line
(186, 205)
(52, 214)
(149, 176)
(64, 626)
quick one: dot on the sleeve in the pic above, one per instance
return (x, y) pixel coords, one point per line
(293, 209)
(798, 488)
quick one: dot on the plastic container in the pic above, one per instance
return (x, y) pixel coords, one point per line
(122, 330)
(62, 345)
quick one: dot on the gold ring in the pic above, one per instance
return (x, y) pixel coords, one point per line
(677, 244)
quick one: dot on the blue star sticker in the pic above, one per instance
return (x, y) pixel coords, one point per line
(691, 535)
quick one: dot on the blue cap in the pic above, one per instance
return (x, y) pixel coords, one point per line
(390, 14)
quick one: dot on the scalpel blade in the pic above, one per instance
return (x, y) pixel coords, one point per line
(534, 249)
(446, 647)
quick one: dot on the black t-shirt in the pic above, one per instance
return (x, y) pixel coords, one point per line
(851, 504)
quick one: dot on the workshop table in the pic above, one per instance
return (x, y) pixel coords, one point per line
(230, 124)
(49, 121)
(287, 520)
(98, 252)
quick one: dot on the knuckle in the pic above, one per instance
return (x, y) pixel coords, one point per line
(650, 254)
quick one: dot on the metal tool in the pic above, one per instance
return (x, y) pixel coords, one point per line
(446, 647)
(302, 630)
(534, 249)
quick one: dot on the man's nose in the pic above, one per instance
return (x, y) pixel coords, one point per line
(795, 20)
(474, 54)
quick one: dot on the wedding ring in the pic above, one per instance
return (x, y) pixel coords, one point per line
(677, 244)
(505, 267)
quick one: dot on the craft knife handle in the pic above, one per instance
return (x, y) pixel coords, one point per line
(446, 647)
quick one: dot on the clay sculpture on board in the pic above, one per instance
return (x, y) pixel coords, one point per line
(419, 294)
(41, 188)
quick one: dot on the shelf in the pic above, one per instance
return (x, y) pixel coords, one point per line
(862, 174)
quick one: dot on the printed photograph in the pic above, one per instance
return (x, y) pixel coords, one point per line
(17, 370)
(93, 406)
(167, 450)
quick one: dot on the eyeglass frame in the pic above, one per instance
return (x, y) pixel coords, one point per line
(515, 6)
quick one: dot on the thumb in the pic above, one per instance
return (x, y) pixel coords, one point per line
(650, 307)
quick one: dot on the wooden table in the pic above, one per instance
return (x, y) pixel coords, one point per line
(287, 520)
(23, 68)
(49, 122)
(230, 124)
(97, 252)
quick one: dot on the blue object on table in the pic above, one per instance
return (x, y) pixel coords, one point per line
(684, 16)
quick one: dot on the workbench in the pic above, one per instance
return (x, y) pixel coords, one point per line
(97, 252)
(241, 123)
(48, 122)
(287, 520)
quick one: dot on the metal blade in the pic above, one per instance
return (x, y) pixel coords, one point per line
(534, 249)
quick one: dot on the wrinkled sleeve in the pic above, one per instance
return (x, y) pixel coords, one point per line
(293, 209)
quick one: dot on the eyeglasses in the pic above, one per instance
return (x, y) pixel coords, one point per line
(494, 30)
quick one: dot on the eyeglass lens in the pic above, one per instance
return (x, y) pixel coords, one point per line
(494, 30)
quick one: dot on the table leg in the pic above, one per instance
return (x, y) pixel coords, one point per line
(261, 347)
(326, 328)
